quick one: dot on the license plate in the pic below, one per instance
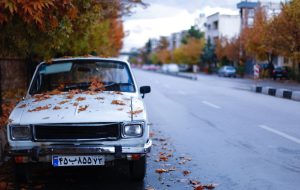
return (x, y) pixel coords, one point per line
(60, 161)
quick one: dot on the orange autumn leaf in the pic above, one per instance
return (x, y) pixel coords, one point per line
(161, 171)
(80, 99)
(118, 102)
(63, 102)
(135, 112)
(39, 108)
(56, 108)
(82, 108)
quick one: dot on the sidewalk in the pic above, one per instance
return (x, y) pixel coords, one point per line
(280, 88)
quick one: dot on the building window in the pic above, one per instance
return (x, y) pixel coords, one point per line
(215, 25)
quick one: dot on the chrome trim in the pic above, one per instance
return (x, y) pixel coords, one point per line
(78, 150)
(76, 124)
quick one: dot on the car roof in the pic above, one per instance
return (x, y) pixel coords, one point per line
(86, 58)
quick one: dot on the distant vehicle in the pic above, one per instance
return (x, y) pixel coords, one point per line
(280, 72)
(170, 68)
(150, 67)
(227, 71)
(184, 67)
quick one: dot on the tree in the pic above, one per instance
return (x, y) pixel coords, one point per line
(193, 32)
(286, 30)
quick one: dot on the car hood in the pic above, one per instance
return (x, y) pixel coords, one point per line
(81, 108)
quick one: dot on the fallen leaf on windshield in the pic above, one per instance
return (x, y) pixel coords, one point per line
(161, 171)
(118, 102)
(22, 106)
(96, 85)
(80, 99)
(186, 172)
(56, 108)
(82, 108)
(63, 102)
(135, 112)
(39, 108)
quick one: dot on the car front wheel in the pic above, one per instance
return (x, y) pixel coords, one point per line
(138, 169)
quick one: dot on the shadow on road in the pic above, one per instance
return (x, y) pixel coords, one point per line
(44, 178)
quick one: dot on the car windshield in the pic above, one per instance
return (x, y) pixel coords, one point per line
(230, 68)
(83, 75)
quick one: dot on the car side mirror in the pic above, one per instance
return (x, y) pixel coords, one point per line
(144, 90)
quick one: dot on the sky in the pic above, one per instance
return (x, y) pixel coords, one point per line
(164, 17)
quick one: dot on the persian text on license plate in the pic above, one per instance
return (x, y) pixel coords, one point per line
(58, 161)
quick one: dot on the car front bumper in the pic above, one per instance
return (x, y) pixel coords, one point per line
(43, 153)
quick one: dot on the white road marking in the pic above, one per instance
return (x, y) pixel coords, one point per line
(284, 135)
(211, 105)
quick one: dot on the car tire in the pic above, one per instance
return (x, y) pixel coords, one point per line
(137, 169)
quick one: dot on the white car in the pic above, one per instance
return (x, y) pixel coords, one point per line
(170, 68)
(81, 112)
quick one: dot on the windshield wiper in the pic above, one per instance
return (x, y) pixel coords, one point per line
(116, 86)
(82, 85)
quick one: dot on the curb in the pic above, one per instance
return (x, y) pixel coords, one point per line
(178, 75)
(281, 92)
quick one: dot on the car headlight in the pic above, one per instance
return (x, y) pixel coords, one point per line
(20, 132)
(132, 130)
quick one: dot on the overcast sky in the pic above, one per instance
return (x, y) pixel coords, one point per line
(163, 17)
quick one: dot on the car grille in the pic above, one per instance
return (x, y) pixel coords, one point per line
(69, 132)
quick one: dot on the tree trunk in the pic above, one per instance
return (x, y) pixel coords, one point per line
(0, 90)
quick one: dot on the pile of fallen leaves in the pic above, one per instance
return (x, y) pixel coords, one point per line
(6, 110)
(165, 157)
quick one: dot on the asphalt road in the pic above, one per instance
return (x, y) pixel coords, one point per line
(236, 138)
(212, 131)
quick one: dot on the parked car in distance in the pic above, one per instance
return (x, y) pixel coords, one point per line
(170, 68)
(80, 112)
(227, 71)
(280, 72)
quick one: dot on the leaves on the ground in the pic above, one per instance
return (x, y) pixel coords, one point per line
(118, 102)
(82, 108)
(161, 171)
(39, 108)
(186, 172)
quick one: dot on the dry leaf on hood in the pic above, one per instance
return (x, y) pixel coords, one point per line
(75, 104)
(80, 99)
(56, 108)
(41, 97)
(22, 106)
(63, 102)
(39, 108)
(135, 112)
(118, 102)
(82, 108)
(194, 182)
(70, 96)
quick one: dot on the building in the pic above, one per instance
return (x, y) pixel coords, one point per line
(247, 13)
(218, 25)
